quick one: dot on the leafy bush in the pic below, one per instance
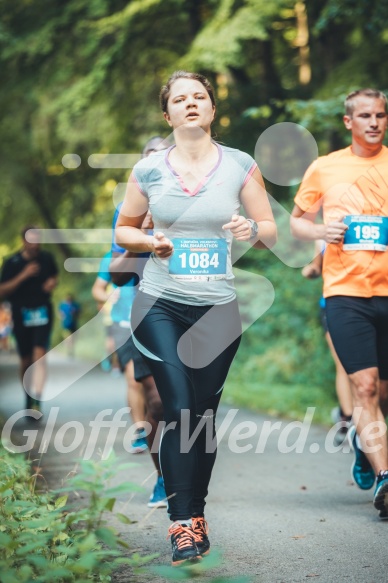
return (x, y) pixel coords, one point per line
(283, 364)
(43, 539)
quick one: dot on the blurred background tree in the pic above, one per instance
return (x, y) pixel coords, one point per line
(83, 77)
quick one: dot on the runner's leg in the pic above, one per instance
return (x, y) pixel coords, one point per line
(342, 383)
(353, 328)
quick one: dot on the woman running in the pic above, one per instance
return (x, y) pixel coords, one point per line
(185, 317)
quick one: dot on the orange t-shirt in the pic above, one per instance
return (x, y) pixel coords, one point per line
(344, 184)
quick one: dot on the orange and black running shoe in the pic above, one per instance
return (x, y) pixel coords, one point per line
(201, 530)
(183, 544)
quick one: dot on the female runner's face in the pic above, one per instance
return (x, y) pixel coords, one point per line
(189, 105)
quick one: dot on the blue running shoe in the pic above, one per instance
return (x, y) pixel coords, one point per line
(343, 425)
(106, 365)
(380, 499)
(139, 444)
(158, 498)
(362, 471)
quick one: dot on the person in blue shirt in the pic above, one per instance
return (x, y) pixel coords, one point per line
(142, 395)
(69, 311)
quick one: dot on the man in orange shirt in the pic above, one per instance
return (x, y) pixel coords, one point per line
(351, 188)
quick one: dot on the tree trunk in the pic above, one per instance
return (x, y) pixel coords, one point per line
(36, 187)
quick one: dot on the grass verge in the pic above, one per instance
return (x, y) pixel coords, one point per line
(288, 401)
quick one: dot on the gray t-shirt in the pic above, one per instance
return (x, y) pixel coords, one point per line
(200, 270)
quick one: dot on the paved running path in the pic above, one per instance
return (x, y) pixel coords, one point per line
(274, 517)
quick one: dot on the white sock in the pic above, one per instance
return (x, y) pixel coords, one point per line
(358, 443)
(187, 522)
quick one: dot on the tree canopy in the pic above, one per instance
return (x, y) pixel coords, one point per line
(83, 76)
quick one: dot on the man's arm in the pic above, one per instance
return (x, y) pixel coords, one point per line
(314, 269)
(52, 281)
(8, 287)
(99, 290)
(120, 268)
(50, 284)
(303, 227)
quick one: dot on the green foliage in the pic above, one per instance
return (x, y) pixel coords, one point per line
(284, 365)
(221, 42)
(44, 538)
(370, 15)
(84, 77)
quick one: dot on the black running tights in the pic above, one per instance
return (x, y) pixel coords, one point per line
(189, 350)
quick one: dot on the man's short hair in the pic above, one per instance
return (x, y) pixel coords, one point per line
(351, 98)
(27, 228)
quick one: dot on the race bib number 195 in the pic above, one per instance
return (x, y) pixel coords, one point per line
(366, 233)
(198, 259)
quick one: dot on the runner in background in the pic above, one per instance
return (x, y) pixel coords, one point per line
(351, 187)
(342, 414)
(120, 300)
(142, 391)
(110, 362)
(5, 326)
(27, 281)
(69, 311)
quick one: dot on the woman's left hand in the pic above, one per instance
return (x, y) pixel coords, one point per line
(239, 227)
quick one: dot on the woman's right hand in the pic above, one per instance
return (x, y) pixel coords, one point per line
(162, 247)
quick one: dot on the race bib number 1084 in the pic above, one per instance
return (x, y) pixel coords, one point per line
(198, 259)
